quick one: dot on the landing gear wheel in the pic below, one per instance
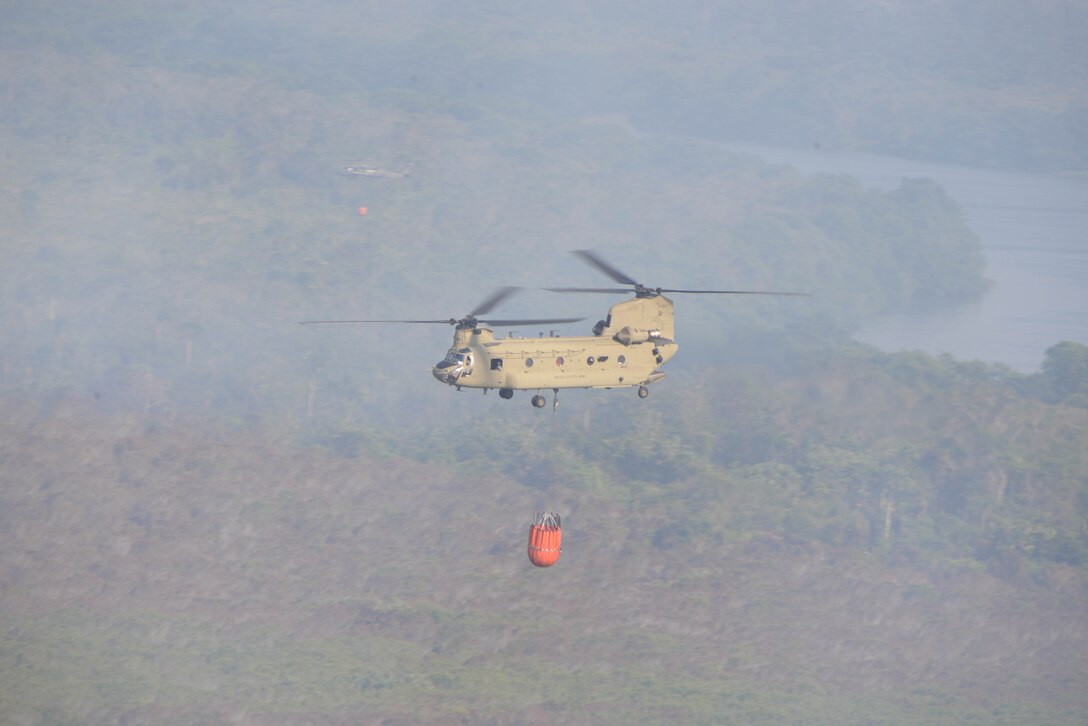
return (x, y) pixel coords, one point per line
(643, 391)
(506, 393)
(537, 401)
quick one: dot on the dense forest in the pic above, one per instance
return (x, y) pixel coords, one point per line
(999, 84)
(210, 514)
(868, 538)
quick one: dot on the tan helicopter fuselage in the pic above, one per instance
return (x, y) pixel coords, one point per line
(626, 349)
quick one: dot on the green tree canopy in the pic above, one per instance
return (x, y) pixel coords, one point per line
(1066, 369)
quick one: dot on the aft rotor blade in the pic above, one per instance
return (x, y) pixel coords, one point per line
(620, 290)
(592, 258)
(734, 292)
(447, 321)
(491, 302)
(539, 321)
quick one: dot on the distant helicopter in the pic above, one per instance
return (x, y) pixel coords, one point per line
(626, 349)
(376, 172)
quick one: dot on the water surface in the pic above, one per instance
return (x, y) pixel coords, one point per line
(1034, 233)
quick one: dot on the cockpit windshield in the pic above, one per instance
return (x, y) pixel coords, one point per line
(459, 357)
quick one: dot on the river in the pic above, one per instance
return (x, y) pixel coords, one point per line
(1034, 233)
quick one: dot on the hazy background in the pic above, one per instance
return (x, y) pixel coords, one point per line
(211, 514)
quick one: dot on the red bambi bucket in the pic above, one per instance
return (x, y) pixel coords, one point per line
(545, 538)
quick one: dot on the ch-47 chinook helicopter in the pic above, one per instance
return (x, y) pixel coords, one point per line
(627, 348)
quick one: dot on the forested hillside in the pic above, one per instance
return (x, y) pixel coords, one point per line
(999, 84)
(892, 540)
(210, 514)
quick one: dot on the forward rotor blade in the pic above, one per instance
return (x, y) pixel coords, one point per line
(447, 321)
(540, 321)
(735, 292)
(491, 302)
(620, 290)
(592, 258)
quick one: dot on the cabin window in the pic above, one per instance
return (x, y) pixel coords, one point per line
(559, 361)
(622, 360)
(589, 361)
(528, 362)
(602, 358)
(496, 364)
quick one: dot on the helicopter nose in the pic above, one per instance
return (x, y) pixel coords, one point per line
(445, 372)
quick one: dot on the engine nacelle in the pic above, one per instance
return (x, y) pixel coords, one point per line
(633, 336)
